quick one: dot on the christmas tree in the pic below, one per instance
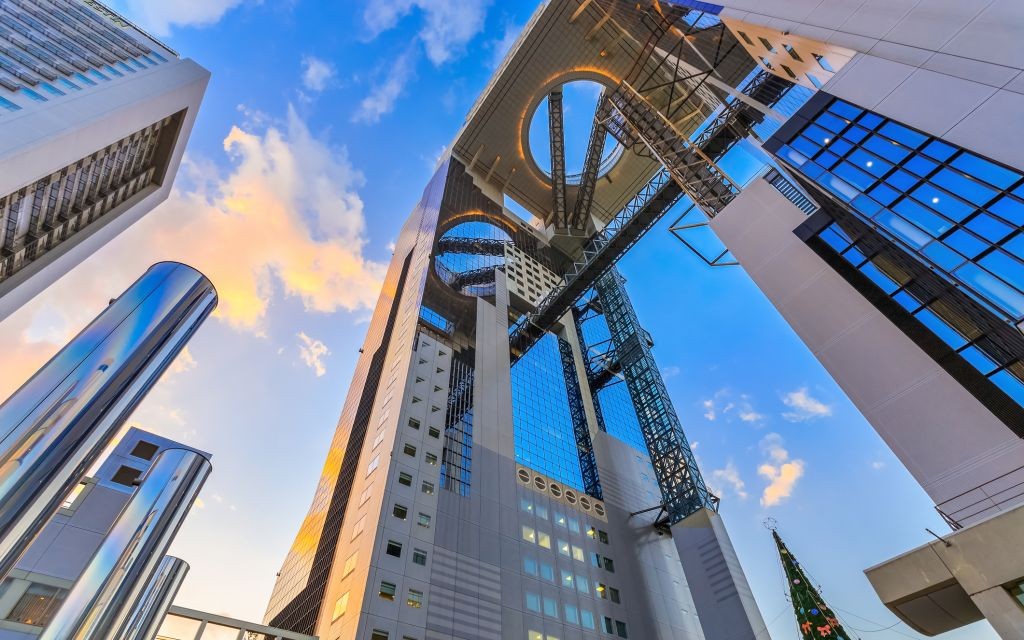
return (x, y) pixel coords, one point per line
(815, 620)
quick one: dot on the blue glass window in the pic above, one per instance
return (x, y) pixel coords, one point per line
(70, 85)
(85, 79)
(7, 104)
(32, 94)
(114, 71)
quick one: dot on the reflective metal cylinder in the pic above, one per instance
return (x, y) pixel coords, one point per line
(100, 604)
(55, 426)
(149, 612)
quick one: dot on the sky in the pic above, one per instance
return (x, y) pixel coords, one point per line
(321, 126)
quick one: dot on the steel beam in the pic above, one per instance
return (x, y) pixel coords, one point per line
(591, 166)
(556, 134)
(584, 445)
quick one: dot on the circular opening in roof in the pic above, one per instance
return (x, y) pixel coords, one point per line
(579, 102)
(468, 254)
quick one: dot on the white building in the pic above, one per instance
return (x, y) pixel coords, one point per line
(94, 117)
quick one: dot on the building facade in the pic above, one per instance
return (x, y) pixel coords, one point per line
(508, 458)
(94, 118)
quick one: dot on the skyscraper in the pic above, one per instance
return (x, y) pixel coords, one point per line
(94, 117)
(508, 463)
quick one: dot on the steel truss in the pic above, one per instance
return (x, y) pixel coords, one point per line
(475, 246)
(591, 166)
(682, 487)
(556, 133)
(584, 445)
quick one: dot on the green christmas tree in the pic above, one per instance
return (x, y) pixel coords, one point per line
(813, 617)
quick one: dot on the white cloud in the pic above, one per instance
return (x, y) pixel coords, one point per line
(709, 409)
(312, 352)
(285, 220)
(726, 404)
(729, 477)
(446, 27)
(316, 73)
(670, 371)
(160, 16)
(781, 472)
(749, 415)
(503, 45)
(382, 97)
(877, 465)
(804, 406)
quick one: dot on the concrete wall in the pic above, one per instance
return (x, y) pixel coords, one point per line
(948, 441)
(952, 68)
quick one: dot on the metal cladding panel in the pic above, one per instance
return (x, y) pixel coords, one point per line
(56, 425)
(152, 607)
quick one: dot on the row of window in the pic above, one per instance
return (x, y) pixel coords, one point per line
(567, 579)
(580, 618)
(560, 520)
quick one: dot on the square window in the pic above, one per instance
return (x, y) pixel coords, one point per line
(566, 579)
(414, 423)
(563, 548)
(577, 554)
(543, 539)
(620, 629)
(529, 534)
(394, 549)
(387, 590)
(126, 476)
(431, 458)
(415, 599)
(405, 479)
(532, 602)
(409, 450)
(144, 450)
(400, 511)
(423, 520)
(547, 572)
(419, 556)
(529, 566)
(551, 607)
(340, 607)
(434, 432)
(427, 488)
(525, 505)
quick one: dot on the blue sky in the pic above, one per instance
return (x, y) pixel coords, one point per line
(319, 130)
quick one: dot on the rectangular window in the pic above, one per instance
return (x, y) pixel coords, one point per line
(577, 554)
(414, 423)
(529, 566)
(609, 565)
(529, 534)
(586, 619)
(532, 602)
(547, 572)
(340, 606)
(566, 579)
(350, 564)
(542, 511)
(427, 488)
(394, 549)
(378, 634)
(370, 468)
(415, 599)
(37, 605)
(620, 629)
(582, 584)
(551, 607)
(609, 626)
(572, 615)
(613, 595)
(574, 525)
(543, 539)
(387, 590)
(405, 479)
(431, 458)
(434, 432)
(525, 505)
(409, 450)
(400, 511)
(564, 548)
(419, 556)
(559, 519)
(424, 521)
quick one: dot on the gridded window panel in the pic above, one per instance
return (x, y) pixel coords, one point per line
(543, 428)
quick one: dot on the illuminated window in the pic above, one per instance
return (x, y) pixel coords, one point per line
(415, 599)
(427, 488)
(350, 564)
(340, 606)
(431, 458)
(529, 534)
(37, 605)
(543, 539)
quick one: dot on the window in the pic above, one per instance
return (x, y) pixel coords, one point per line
(366, 494)
(405, 479)
(431, 458)
(607, 623)
(746, 38)
(574, 525)
(577, 554)
(571, 614)
(532, 602)
(543, 539)
(586, 619)
(400, 511)
(792, 52)
(823, 63)
(358, 527)
(340, 606)
(427, 488)
(529, 534)
(609, 565)
(542, 511)
(582, 584)
(419, 556)
(525, 505)
(73, 496)
(613, 595)
(563, 548)
(377, 634)
(350, 564)
(566, 579)
(409, 450)
(424, 521)
(601, 590)
(551, 607)
(602, 536)
(387, 590)
(620, 629)
(559, 519)
(414, 599)
(767, 45)
(394, 549)
(144, 450)
(126, 476)
(434, 432)
(370, 468)
(37, 605)
(529, 566)
(547, 572)
(414, 423)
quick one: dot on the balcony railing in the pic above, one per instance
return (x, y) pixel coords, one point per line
(792, 193)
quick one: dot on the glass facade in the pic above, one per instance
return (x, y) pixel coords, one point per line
(958, 214)
(542, 424)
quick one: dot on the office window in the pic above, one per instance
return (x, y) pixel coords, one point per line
(350, 564)
(37, 605)
(577, 554)
(543, 539)
(409, 450)
(602, 536)
(609, 565)
(620, 629)
(434, 432)
(387, 590)
(424, 520)
(529, 566)
(431, 458)
(405, 479)
(609, 626)
(613, 595)
(542, 511)
(601, 591)
(427, 488)
(414, 599)
(532, 602)
(571, 614)
(582, 584)
(126, 475)
(547, 572)
(400, 511)
(566, 579)
(587, 619)
(378, 634)
(394, 549)
(574, 525)
(550, 607)
(144, 450)
(340, 606)
(559, 519)
(529, 534)
(564, 548)
(419, 557)
(525, 505)
(414, 423)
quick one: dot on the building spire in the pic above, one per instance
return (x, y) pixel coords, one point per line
(814, 618)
